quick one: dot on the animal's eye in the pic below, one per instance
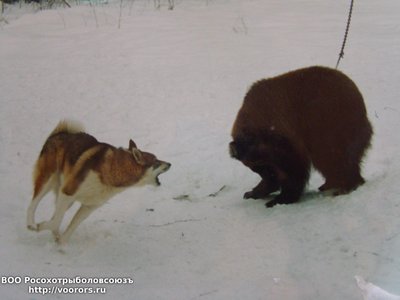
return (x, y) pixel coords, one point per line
(156, 164)
(258, 169)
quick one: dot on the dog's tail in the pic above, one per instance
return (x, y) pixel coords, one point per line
(68, 126)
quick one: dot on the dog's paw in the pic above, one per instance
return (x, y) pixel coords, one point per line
(43, 226)
(60, 240)
(56, 235)
(33, 227)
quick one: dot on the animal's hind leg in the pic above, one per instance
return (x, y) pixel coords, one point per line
(63, 203)
(348, 180)
(43, 185)
(83, 212)
(341, 166)
(341, 177)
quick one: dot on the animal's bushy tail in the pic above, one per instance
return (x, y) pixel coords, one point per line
(68, 126)
(47, 165)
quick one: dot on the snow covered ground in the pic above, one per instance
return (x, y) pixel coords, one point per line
(173, 81)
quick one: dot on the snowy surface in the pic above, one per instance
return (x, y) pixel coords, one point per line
(174, 81)
(373, 292)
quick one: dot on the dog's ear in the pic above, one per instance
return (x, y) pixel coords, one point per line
(137, 155)
(132, 145)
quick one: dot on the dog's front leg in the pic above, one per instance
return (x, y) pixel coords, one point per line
(83, 212)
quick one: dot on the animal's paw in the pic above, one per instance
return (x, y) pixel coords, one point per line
(280, 199)
(56, 235)
(272, 203)
(261, 191)
(249, 195)
(45, 225)
(254, 194)
(59, 240)
(33, 227)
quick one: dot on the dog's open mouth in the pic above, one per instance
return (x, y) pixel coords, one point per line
(158, 179)
(164, 168)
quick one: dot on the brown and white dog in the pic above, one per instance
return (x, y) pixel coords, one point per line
(77, 167)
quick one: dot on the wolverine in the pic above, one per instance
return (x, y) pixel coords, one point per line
(311, 116)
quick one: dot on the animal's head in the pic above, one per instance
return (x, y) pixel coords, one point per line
(261, 154)
(251, 153)
(153, 167)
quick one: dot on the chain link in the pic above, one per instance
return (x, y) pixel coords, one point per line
(341, 54)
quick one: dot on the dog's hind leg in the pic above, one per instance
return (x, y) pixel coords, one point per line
(83, 212)
(63, 203)
(43, 184)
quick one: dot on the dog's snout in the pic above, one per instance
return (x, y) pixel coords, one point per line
(162, 165)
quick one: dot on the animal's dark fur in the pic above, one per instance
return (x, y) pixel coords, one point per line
(309, 116)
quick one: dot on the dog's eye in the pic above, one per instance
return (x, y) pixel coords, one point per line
(156, 165)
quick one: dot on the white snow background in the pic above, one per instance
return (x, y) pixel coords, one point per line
(173, 80)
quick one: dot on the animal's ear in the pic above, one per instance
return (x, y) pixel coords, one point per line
(132, 145)
(237, 149)
(137, 155)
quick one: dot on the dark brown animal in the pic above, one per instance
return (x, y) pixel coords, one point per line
(315, 116)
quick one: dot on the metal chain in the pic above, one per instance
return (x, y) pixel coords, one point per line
(341, 54)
